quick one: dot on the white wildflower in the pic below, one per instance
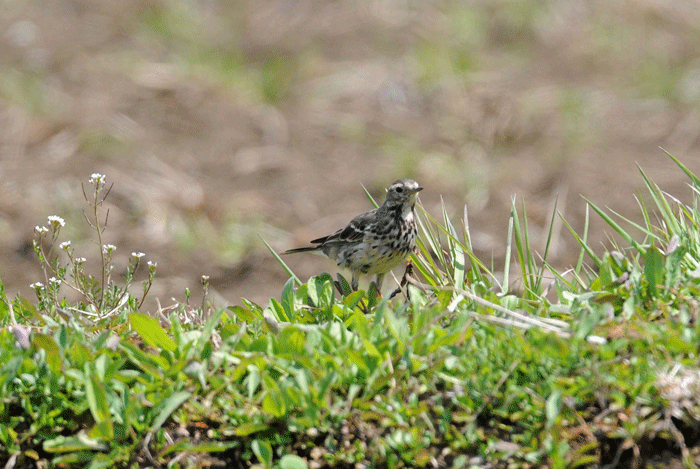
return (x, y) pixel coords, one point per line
(41, 229)
(80, 260)
(36, 285)
(97, 178)
(64, 245)
(108, 248)
(137, 255)
(54, 281)
(56, 221)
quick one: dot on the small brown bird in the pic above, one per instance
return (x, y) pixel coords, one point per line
(377, 241)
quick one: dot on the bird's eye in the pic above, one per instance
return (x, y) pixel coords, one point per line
(399, 190)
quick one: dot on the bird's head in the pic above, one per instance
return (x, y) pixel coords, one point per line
(402, 192)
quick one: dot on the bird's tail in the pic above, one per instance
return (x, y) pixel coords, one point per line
(306, 249)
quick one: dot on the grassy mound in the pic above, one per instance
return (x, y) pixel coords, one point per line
(464, 366)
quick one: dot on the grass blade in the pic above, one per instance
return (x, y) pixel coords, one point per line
(282, 263)
(626, 236)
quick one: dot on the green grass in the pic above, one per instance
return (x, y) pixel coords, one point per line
(528, 368)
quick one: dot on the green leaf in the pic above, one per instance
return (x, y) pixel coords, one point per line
(273, 403)
(249, 428)
(151, 332)
(278, 310)
(204, 447)
(287, 299)
(553, 407)
(371, 349)
(168, 407)
(292, 461)
(263, 451)
(243, 314)
(654, 269)
(28, 307)
(208, 329)
(321, 291)
(99, 405)
(353, 299)
(80, 442)
(53, 354)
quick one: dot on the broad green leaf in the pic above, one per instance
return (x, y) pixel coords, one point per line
(371, 349)
(273, 403)
(151, 332)
(654, 269)
(263, 451)
(152, 364)
(243, 314)
(321, 291)
(278, 310)
(287, 299)
(249, 428)
(292, 340)
(168, 407)
(99, 405)
(353, 299)
(53, 354)
(292, 461)
(28, 307)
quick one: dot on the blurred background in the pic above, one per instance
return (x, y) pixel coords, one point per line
(223, 121)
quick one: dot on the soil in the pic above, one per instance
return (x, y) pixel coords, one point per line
(222, 122)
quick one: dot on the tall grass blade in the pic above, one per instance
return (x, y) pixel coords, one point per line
(369, 196)
(662, 204)
(282, 263)
(456, 250)
(626, 236)
(583, 242)
(689, 173)
(506, 262)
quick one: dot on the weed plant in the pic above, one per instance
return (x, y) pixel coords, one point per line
(462, 367)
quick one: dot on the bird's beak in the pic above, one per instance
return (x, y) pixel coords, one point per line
(417, 189)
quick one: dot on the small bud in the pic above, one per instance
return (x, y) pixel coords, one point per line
(22, 336)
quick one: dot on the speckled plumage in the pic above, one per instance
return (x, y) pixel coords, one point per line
(377, 241)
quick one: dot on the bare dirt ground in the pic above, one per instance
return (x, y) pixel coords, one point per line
(220, 121)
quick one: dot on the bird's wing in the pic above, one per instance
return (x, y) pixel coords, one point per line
(353, 231)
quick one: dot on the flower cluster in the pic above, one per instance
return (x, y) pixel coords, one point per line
(102, 294)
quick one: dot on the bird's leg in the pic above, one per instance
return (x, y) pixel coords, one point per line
(404, 281)
(378, 282)
(355, 281)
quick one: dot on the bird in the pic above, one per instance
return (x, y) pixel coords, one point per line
(377, 241)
